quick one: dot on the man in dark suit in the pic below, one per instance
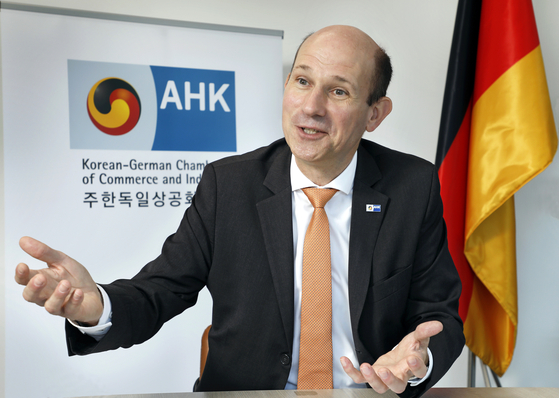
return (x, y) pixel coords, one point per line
(394, 287)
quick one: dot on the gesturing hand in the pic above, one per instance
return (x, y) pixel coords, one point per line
(65, 288)
(394, 369)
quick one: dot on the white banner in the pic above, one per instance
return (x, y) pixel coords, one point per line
(107, 128)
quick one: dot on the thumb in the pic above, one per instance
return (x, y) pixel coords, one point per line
(427, 329)
(39, 250)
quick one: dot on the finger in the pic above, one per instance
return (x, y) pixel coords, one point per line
(36, 291)
(417, 366)
(427, 330)
(391, 381)
(351, 371)
(24, 274)
(39, 250)
(72, 307)
(54, 304)
(373, 378)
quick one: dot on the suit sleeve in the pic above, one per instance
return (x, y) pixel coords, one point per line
(164, 287)
(435, 291)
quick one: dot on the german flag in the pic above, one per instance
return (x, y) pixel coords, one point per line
(497, 133)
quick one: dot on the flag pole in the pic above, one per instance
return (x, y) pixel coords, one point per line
(484, 371)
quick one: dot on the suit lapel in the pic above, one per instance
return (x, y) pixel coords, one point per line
(365, 225)
(275, 215)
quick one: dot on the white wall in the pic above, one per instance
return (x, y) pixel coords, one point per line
(417, 35)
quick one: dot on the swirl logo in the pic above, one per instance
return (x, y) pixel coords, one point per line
(113, 106)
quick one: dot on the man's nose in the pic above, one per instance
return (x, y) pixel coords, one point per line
(315, 102)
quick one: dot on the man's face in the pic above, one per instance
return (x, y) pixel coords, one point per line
(325, 110)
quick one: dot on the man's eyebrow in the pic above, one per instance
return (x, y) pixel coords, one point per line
(339, 78)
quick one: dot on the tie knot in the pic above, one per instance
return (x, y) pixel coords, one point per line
(319, 196)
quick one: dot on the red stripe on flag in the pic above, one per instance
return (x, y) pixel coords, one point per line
(507, 33)
(453, 174)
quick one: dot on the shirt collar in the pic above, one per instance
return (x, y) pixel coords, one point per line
(343, 182)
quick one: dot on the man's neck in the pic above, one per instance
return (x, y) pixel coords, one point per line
(343, 182)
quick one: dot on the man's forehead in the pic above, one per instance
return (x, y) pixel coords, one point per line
(342, 64)
(339, 48)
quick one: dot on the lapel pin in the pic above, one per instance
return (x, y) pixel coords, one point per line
(373, 208)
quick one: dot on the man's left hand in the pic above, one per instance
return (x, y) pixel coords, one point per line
(406, 361)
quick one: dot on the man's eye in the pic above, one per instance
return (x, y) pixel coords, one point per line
(302, 81)
(340, 92)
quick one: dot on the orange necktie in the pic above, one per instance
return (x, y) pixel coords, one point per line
(315, 352)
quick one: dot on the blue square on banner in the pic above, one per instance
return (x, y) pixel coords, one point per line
(196, 110)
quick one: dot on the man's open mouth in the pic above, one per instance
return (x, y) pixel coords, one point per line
(311, 131)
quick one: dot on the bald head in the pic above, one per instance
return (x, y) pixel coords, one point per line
(353, 45)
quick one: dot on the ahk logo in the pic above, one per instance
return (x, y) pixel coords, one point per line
(151, 107)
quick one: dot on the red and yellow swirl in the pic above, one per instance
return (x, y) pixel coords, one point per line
(113, 106)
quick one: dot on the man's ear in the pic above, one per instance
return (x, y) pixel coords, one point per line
(380, 110)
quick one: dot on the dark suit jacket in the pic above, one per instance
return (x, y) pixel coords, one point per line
(236, 239)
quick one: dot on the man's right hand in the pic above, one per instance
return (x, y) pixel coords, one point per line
(65, 288)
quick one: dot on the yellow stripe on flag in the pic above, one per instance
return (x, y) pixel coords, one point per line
(513, 138)
(490, 326)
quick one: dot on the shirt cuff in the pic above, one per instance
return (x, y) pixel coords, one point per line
(101, 329)
(416, 380)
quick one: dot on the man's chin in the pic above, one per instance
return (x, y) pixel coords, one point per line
(309, 156)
